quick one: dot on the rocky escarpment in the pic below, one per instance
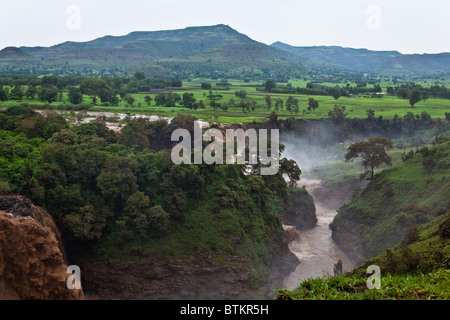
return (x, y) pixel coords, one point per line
(300, 210)
(32, 259)
(201, 277)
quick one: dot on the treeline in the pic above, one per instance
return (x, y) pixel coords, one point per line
(50, 88)
(338, 127)
(320, 90)
(435, 91)
(403, 91)
(98, 184)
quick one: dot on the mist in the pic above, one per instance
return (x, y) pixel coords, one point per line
(309, 153)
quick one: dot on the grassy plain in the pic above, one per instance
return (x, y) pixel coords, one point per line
(387, 106)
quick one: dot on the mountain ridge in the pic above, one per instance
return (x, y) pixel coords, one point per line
(386, 62)
(216, 50)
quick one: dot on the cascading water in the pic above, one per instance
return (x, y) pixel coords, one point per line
(315, 248)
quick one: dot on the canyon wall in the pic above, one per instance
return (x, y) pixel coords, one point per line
(32, 258)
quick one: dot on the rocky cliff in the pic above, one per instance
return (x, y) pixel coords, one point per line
(153, 278)
(300, 210)
(32, 258)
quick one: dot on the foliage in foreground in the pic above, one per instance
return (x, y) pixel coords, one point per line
(418, 268)
(393, 287)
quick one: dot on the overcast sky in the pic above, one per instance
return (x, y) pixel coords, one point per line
(408, 26)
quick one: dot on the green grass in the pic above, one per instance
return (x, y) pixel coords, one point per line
(397, 199)
(431, 286)
(357, 107)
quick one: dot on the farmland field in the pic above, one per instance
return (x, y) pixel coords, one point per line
(357, 107)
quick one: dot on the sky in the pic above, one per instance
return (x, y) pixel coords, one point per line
(407, 26)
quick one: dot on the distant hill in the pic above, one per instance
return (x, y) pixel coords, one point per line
(368, 61)
(13, 53)
(361, 60)
(210, 51)
(196, 51)
(424, 64)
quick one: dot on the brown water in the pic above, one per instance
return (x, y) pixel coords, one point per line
(113, 125)
(315, 248)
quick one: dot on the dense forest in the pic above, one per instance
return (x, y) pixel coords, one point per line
(98, 184)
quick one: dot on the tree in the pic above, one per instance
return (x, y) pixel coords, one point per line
(3, 93)
(269, 85)
(312, 104)
(336, 92)
(160, 99)
(370, 114)
(117, 181)
(86, 224)
(245, 105)
(31, 92)
(158, 221)
(268, 102)
(214, 105)
(177, 83)
(95, 87)
(172, 99)
(139, 75)
(290, 168)
(338, 113)
(129, 99)
(48, 93)
(17, 92)
(189, 100)
(75, 95)
(414, 97)
(273, 117)
(292, 104)
(241, 94)
(148, 100)
(206, 86)
(279, 104)
(372, 152)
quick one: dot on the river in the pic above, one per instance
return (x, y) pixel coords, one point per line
(114, 118)
(315, 248)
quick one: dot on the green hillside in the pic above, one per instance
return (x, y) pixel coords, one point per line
(195, 51)
(398, 199)
(389, 63)
(360, 60)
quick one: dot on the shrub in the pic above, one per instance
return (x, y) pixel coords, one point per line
(158, 221)
(407, 156)
(444, 229)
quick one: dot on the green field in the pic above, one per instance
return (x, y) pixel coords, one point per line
(387, 106)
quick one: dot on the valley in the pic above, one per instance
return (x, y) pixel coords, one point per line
(89, 172)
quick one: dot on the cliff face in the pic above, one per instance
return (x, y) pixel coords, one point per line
(153, 278)
(32, 258)
(300, 210)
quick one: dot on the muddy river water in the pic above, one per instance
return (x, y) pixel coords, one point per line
(315, 248)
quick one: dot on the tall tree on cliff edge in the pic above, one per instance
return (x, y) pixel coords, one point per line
(372, 152)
